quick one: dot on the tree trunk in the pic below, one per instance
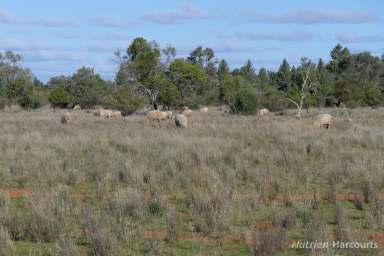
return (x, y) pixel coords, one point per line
(300, 106)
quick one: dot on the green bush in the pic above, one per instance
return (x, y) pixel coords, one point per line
(155, 208)
(245, 101)
(121, 99)
(170, 95)
(87, 88)
(352, 104)
(372, 96)
(33, 98)
(14, 89)
(273, 99)
(59, 97)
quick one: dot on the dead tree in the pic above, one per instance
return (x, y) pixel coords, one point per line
(308, 84)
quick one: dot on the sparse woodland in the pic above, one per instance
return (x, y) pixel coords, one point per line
(149, 75)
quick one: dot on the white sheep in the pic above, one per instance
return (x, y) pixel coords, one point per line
(181, 121)
(323, 121)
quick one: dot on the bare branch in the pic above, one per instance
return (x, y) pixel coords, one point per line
(294, 102)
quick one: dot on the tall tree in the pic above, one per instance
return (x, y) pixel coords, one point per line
(86, 87)
(340, 60)
(142, 67)
(263, 77)
(14, 80)
(223, 69)
(283, 76)
(189, 78)
(223, 72)
(170, 54)
(248, 72)
(203, 57)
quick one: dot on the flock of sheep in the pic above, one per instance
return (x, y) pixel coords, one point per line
(155, 117)
(181, 120)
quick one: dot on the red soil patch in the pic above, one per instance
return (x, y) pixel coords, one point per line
(161, 235)
(194, 238)
(378, 237)
(18, 193)
(349, 197)
(265, 225)
(188, 216)
(249, 240)
(79, 195)
(212, 240)
(341, 197)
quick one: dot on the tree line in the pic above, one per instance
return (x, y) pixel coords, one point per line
(149, 75)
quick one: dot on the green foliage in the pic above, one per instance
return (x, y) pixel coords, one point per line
(248, 72)
(33, 97)
(244, 99)
(169, 95)
(142, 65)
(86, 88)
(121, 98)
(189, 78)
(155, 208)
(372, 96)
(284, 76)
(59, 97)
(144, 58)
(273, 99)
(343, 91)
(146, 71)
(223, 69)
(15, 89)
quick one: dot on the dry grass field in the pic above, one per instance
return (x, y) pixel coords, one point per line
(226, 185)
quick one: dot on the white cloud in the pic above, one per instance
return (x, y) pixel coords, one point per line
(6, 18)
(273, 36)
(112, 37)
(54, 56)
(313, 17)
(22, 45)
(360, 38)
(175, 16)
(113, 22)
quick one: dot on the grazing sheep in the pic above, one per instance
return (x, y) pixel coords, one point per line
(323, 121)
(169, 114)
(66, 118)
(117, 115)
(186, 112)
(204, 109)
(101, 112)
(181, 121)
(108, 114)
(263, 112)
(77, 107)
(156, 116)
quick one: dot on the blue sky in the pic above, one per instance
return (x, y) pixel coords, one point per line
(58, 37)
